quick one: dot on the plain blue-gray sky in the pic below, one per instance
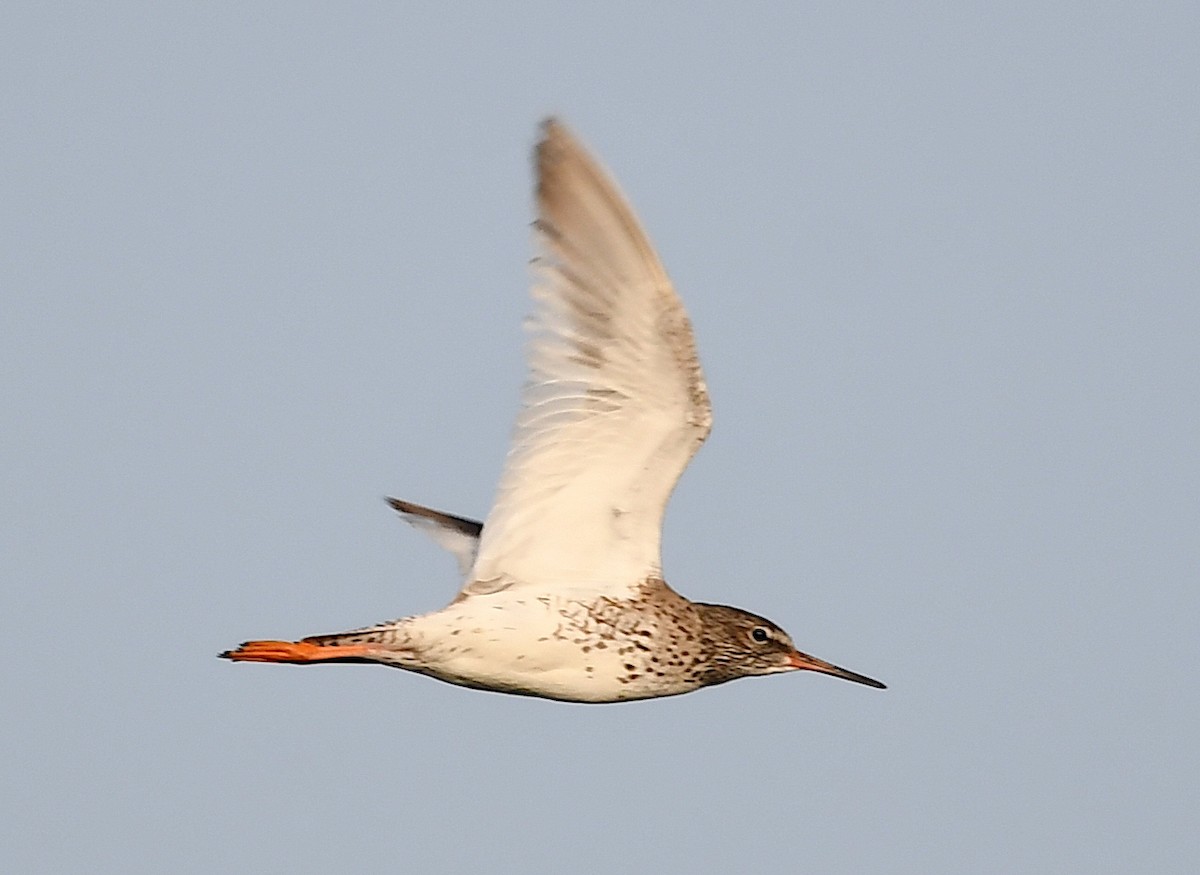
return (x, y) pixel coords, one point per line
(264, 264)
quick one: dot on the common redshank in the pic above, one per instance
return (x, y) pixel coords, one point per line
(564, 595)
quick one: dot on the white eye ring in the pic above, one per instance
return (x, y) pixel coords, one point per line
(761, 634)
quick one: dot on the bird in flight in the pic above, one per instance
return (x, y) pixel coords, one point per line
(563, 594)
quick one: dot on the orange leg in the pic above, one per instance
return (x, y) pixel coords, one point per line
(296, 652)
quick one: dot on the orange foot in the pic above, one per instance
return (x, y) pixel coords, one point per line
(295, 651)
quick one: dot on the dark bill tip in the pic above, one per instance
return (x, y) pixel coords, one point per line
(805, 662)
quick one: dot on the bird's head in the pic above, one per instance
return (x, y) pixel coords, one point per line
(740, 644)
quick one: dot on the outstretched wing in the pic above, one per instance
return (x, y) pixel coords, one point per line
(615, 404)
(454, 533)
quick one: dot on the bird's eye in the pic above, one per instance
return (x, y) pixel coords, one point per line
(760, 634)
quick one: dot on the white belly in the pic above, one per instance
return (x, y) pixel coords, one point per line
(537, 646)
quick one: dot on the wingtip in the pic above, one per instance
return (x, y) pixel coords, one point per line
(551, 125)
(413, 513)
(555, 142)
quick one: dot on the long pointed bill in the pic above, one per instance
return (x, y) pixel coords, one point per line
(810, 663)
